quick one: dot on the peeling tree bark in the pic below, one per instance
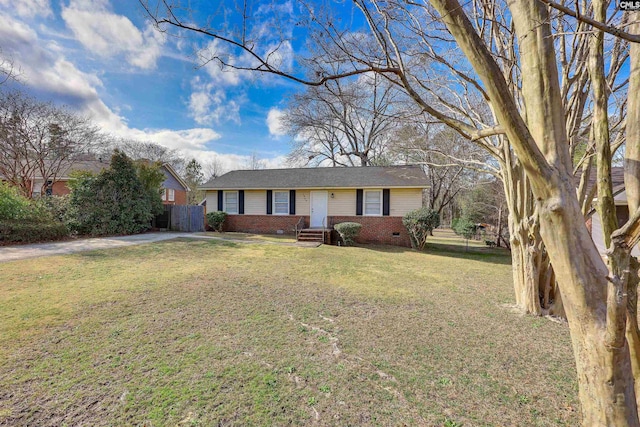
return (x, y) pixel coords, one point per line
(600, 128)
(632, 186)
(606, 385)
(534, 281)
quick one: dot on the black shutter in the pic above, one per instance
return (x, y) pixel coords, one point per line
(220, 200)
(386, 196)
(292, 202)
(359, 200)
(241, 202)
(269, 201)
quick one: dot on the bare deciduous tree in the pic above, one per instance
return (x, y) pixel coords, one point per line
(254, 162)
(343, 123)
(8, 68)
(451, 163)
(39, 141)
(148, 150)
(212, 169)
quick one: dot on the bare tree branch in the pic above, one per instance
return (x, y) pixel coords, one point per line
(634, 38)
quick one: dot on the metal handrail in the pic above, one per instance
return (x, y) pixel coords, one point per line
(298, 228)
(323, 228)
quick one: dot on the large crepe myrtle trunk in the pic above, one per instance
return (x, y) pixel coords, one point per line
(534, 283)
(595, 302)
(603, 361)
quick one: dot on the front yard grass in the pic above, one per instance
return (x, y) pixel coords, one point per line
(207, 332)
(232, 235)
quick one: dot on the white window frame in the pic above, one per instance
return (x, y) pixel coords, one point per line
(172, 194)
(163, 195)
(364, 203)
(224, 202)
(273, 202)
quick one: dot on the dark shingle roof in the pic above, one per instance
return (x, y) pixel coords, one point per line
(617, 178)
(342, 177)
(93, 166)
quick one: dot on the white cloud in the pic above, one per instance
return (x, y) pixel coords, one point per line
(279, 54)
(44, 67)
(230, 162)
(189, 139)
(107, 34)
(275, 162)
(280, 9)
(28, 8)
(226, 76)
(208, 104)
(89, 4)
(274, 122)
(56, 75)
(41, 69)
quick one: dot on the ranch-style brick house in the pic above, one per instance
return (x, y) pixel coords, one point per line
(277, 201)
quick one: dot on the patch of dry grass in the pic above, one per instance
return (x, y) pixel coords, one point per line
(216, 333)
(231, 235)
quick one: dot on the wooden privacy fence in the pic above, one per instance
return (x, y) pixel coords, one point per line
(181, 218)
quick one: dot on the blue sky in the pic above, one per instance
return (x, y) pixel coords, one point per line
(102, 57)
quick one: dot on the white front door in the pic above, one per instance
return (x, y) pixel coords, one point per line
(319, 201)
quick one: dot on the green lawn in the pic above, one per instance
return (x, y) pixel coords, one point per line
(212, 333)
(250, 237)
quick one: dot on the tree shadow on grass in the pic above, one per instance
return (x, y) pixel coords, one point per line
(492, 255)
(489, 255)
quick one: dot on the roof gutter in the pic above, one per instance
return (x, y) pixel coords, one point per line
(312, 188)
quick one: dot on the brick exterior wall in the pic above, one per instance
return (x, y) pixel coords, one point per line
(378, 229)
(263, 224)
(375, 229)
(180, 196)
(60, 188)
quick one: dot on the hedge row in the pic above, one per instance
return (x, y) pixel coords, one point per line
(29, 232)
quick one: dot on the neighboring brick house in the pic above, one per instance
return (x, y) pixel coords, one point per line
(281, 200)
(174, 188)
(58, 186)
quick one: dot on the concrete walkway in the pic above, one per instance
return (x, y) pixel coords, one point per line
(12, 253)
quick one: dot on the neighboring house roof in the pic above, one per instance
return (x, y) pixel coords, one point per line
(93, 166)
(617, 182)
(96, 166)
(339, 177)
(617, 178)
(175, 175)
